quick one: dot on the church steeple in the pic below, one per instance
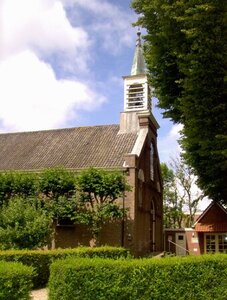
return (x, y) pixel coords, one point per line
(136, 89)
(137, 93)
(138, 65)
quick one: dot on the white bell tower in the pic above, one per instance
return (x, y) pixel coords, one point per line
(137, 93)
(137, 96)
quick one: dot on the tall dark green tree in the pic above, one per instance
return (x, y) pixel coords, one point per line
(185, 50)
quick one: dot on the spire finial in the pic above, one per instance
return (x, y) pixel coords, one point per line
(138, 41)
(138, 65)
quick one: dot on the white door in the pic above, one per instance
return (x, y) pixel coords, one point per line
(180, 244)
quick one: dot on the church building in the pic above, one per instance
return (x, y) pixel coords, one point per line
(130, 147)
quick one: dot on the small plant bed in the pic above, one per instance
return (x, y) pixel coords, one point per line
(15, 281)
(41, 260)
(193, 278)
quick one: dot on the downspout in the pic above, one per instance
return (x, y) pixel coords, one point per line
(153, 225)
(153, 235)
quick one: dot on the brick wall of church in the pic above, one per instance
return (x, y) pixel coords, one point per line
(145, 230)
(79, 235)
(142, 232)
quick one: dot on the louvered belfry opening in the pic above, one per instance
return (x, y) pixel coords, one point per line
(135, 96)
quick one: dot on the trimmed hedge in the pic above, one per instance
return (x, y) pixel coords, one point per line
(42, 259)
(15, 281)
(194, 278)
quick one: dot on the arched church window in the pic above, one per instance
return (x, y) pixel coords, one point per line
(152, 161)
(135, 96)
(140, 193)
(140, 187)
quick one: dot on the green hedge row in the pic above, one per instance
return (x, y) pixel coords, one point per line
(194, 278)
(42, 259)
(15, 281)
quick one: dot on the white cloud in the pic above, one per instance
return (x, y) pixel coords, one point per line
(109, 22)
(32, 98)
(38, 39)
(42, 24)
(175, 131)
(168, 145)
(43, 27)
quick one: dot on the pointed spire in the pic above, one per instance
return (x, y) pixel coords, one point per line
(138, 65)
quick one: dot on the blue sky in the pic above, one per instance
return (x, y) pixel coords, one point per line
(62, 62)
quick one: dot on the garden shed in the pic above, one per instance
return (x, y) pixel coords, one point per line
(208, 235)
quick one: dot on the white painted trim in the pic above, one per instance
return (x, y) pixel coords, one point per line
(179, 229)
(216, 234)
(140, 141)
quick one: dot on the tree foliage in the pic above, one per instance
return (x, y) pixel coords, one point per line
(24, 224)
(30, 201)
(180, 195)
(56, 188)
(61, 209)
(188, 191)
(185, 50)
(172, 204)
(56, 182)
(98, 190)
(16, 184)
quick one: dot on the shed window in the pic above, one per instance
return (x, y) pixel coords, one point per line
(216, 242)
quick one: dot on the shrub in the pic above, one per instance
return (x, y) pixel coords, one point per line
(193, 278)
(42, 259)
(15, 281)
(24, 224)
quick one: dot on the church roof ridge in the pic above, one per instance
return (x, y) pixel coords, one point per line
(57, 129)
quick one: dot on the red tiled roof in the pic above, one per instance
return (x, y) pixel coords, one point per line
(216, 227)
(73, 148)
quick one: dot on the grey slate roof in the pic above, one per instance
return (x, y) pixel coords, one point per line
(73, 148)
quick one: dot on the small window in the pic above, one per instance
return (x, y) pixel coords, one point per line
(65, 222)
(180, 237)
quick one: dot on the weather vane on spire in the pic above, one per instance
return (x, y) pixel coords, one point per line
(138, 65)
(138, 41)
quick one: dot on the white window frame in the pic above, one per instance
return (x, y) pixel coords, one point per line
(216, 241)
